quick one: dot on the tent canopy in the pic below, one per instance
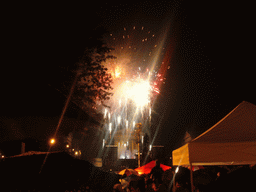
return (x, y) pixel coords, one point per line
(131, 171)
(230, 141)
(146, 169)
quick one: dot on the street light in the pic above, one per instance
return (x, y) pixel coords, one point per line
(52, 141)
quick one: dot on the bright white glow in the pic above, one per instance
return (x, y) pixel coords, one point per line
(119, 119)
(110, 127)
(125, 144)
(105, 113)
(126, 124)
(149, 111)
(117, 72)
(139, 92)
(176, 170)
(108, 115)
(52, 141)
(122, 157)
(103, 143)
(133, 124)
(150, 147)
(142, 138)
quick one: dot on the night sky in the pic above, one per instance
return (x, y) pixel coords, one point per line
(212, 65)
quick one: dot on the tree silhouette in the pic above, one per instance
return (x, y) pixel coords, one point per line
(93, 83)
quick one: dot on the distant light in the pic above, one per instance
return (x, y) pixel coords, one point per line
(133, 124)
(2, 156)
(67, 146)
(150, 147)
(76, 153)
(52, 141)
(142, 138)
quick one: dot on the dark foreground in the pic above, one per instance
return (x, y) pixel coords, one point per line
(61, 172)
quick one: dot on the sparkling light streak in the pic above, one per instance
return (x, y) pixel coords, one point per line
(110, 127)
(119, 119)
(105, 112)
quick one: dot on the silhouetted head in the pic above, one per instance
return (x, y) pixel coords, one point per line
(127, 172)
(157, 163)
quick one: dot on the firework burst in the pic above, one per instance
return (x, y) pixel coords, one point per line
(136, 83)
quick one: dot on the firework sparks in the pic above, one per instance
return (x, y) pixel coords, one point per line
(138, 91)
(136, 82)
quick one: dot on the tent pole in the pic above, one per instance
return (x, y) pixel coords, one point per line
(191, 178)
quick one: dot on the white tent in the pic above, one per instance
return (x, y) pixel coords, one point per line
(231, 141)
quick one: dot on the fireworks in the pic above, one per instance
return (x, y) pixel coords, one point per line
(138, 92)
(136, 82)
